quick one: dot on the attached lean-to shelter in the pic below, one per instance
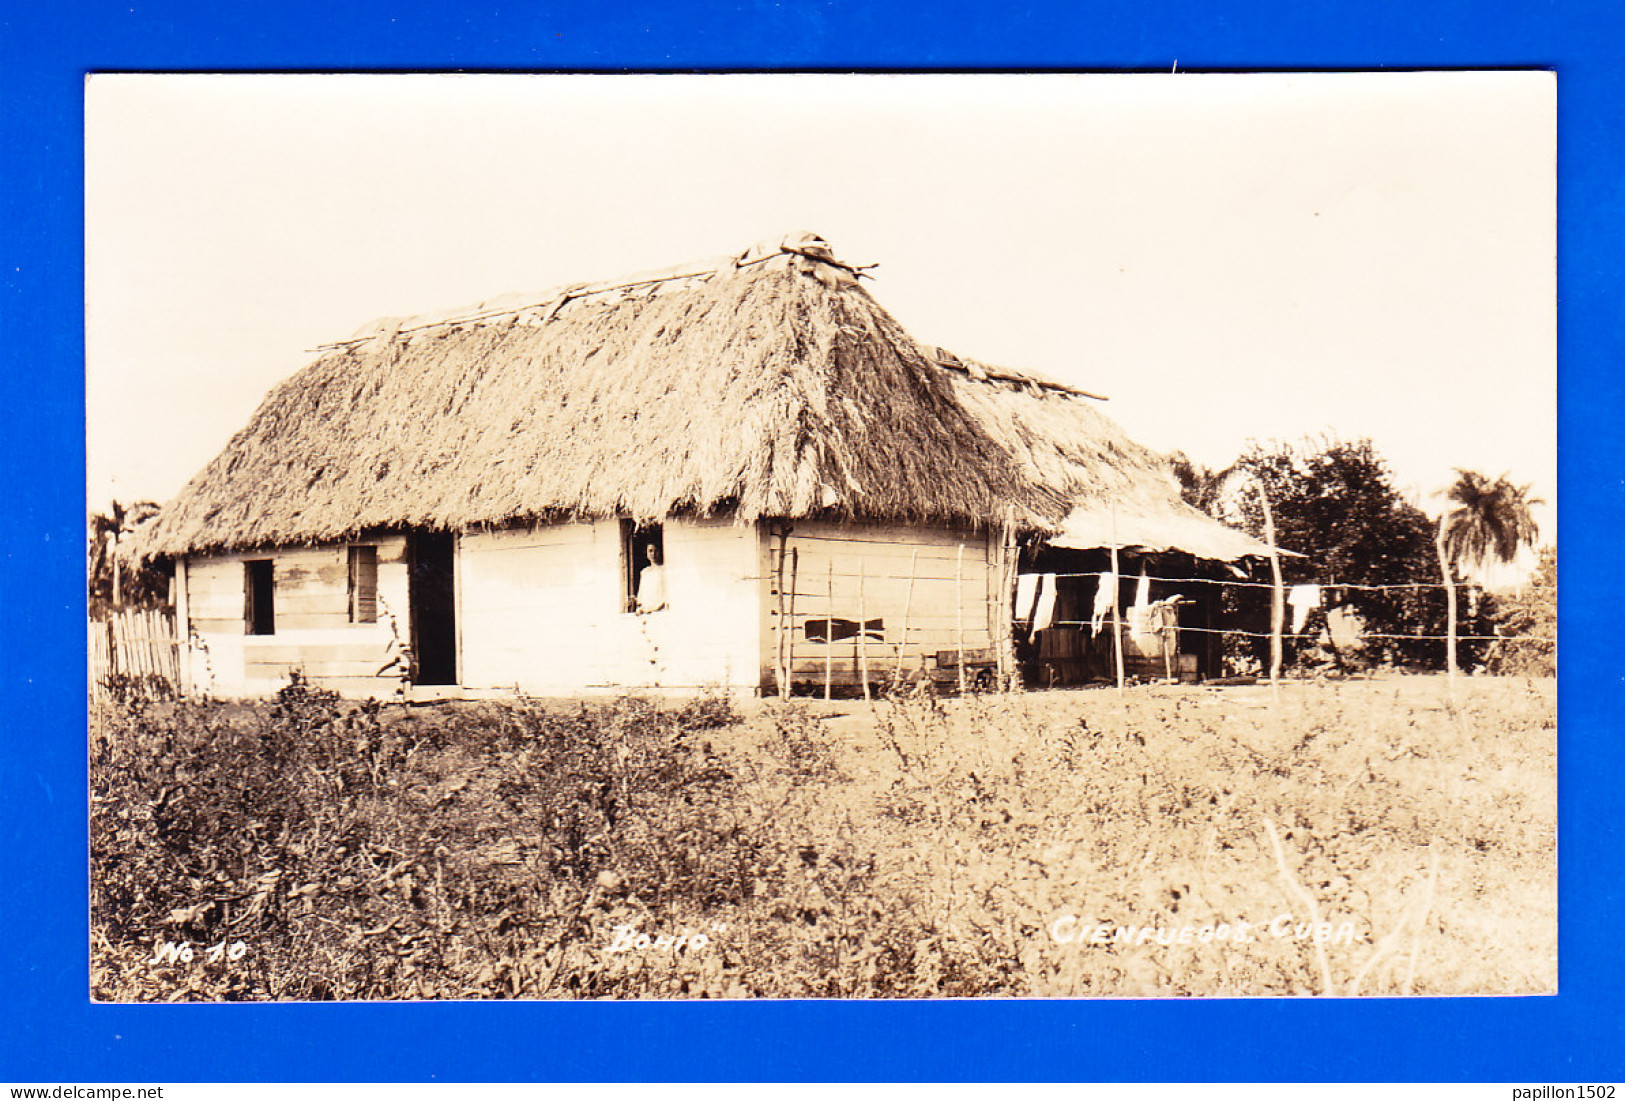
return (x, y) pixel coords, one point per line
(741, 474)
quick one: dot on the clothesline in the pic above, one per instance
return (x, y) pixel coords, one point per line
(1362, 634)
(979, 578)
(1256, 584)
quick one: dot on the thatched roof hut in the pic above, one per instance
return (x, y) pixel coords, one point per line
(765, 385)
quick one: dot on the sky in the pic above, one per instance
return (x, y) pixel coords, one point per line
(1227, 258)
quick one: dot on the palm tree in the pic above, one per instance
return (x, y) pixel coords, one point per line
(1199, 486)
(107, 531)
(1490, 522)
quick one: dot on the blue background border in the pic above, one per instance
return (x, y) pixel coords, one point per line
(50, 1032)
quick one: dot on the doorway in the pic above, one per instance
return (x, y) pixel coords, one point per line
(433, 597)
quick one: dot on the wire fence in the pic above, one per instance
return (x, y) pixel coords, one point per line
(1326, 600)
(1362, 634)
(963, 611)
(958, 611)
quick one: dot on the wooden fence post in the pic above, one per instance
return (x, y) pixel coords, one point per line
(790, 635)
(959, 612)
(829, 630)
(1277, 595)
(908, 611)
(1448, 576)
(778, 639)
(863, 631)
(1117, 596)
(1006, 605)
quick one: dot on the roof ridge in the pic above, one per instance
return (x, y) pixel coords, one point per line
(809, 247)
(982, 372)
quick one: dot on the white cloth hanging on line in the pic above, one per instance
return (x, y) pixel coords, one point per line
(1302, 598)
(1044, 611)
(1105, 601)
(1145, 619)
(1026, 595)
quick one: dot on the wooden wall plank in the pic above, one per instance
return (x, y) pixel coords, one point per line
(314, 667)
(328, 601)
(886, 553)
(292, 653)
(324, 621)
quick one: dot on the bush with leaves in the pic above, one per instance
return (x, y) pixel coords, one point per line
(1528, 620)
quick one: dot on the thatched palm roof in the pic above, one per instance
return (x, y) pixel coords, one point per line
(767, 385)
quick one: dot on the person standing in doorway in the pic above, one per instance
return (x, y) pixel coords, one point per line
(652, 583)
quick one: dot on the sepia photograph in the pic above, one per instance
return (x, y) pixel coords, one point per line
(812, 536)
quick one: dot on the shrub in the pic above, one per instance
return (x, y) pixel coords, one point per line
(1529, 619)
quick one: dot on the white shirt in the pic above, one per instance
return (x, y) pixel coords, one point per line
(651, 588)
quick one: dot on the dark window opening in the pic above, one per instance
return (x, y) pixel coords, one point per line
(259, 596)
(835, 630)
(642, 546)
(363, 584)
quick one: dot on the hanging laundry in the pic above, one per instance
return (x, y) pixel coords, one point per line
(1142, 591)
(1026, 596)
(1302, 598)
(1154, 629)
(1139, 616)
(1044, 612)
(1105, 601)
(1344, 627)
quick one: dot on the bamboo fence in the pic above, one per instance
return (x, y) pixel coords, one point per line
(133, 646)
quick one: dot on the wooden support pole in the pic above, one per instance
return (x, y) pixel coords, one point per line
(1007, 601)
(829, 630)
(790, 636)
(992, 575)
(778, 635)
(863, 632)
(183, 619)
(908, 611)
(1167, 636)
(959, 612)
(1117, 598)
(1447, 575)
(1277, 593)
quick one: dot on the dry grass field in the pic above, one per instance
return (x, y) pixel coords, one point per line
(1361, 837)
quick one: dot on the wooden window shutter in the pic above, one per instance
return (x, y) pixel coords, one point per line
(363, 584)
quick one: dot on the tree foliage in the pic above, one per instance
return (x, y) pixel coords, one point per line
(1529, 617)
(1335, 504)
(1490, 522)
(1198, 485)
(113, 577)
